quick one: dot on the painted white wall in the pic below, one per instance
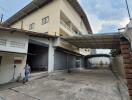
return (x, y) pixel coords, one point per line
(7, 66)
(128, 32)
(51, 57)
(19, 38)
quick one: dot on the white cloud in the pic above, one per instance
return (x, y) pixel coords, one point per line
(124, 22)
(105, 15)
(96, 24)
(102, 13)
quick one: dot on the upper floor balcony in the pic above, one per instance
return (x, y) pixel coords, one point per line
(67, 28)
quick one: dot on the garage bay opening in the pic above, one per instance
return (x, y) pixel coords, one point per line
(37, 57)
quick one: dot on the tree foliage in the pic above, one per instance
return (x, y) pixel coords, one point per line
(115, 52)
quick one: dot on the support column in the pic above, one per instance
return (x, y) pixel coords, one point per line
(51, 57)
(126, 52)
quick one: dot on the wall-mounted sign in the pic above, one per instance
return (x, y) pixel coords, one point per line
(18, 60)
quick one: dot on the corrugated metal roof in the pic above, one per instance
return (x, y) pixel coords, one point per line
(30, 33)
(96, 41)
(36, 4)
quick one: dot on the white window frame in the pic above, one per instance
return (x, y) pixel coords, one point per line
(31, 26)
(45, 20)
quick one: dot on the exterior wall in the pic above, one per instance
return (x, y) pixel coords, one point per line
(63, 44)
(13, 42)
(118, 66)
(128, 35)
(73, 16)
(17, 43)
(52, 10)
(7, 67)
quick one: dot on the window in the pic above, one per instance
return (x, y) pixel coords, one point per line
(17, 44)
(31, 26)
(2, 42)
(45, 20)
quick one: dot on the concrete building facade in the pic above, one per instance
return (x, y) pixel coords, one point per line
(33, 36)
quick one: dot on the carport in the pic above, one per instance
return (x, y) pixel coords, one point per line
(108, 41)
(96, 41)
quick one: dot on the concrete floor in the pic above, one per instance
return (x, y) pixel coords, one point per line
(81, 85)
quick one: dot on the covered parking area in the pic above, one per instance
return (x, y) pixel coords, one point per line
(109, 41)
(96, 41)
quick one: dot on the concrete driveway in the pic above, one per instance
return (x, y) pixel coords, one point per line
(80, 85)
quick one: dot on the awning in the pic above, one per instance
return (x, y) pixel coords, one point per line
(96, 41)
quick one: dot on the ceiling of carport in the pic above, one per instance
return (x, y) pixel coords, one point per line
(96, 41)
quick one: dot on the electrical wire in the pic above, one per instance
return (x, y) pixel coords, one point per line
(128, 9)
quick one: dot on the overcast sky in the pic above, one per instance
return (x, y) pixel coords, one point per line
(104, 15)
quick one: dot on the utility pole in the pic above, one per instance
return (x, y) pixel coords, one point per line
(1, 18)
(128, 10)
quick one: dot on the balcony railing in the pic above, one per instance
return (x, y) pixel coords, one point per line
(67, 27)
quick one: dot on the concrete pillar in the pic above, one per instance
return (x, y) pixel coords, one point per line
(51, 56)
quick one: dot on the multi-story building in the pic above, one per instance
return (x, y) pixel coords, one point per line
(53, 17)
(33, 36)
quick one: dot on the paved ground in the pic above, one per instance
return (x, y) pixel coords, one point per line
(83, 85)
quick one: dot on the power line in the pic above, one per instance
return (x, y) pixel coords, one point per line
(128, 10)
